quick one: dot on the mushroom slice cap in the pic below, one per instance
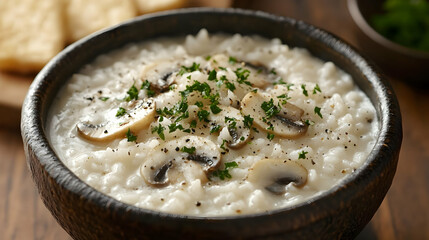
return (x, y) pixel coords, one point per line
(186, 158)
(240, 135)
(287, 123)
(160, 74)
(274, 175)
(139, 116)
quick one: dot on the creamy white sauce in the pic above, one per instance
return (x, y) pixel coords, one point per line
(331, 148)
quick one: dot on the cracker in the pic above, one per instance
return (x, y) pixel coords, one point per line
(148, 6)
(87, 16)
(31, 34)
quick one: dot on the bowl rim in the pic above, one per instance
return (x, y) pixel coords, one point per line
(363, 24)
(33, 125)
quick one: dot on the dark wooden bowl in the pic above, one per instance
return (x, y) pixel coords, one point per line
(85, 213)
(399, 62)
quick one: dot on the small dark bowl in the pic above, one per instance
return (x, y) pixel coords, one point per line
(397, 61)
(85, 213)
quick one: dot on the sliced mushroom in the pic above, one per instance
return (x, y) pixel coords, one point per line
(240, 135)
(139, 116)
(287, 123)
(274, 175)
(175, 161)
(160, 74)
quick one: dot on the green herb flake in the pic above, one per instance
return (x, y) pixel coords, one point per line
(279, 81)
(146, 86)
(309, 122)
(194, 67)
(289, 86)
(214, 128)
(301, 155)
(232, 122)
(242, 75)
(174, 126)
(208, 57)
(159, 130)
(199, 104)
(121, 112)
(230, 86)
(214, 108)
(130, 136)
(133, 93)
(270, 136)
(232, 60)
(316, 89)
(317, 111)
(273, 71)
(304, 91)
(270, 109)
(103, 98)
(248, 121)
(222, 174)
(193, 124)
(190, 150)
(222, 146)
(212, 75)
(203, 115)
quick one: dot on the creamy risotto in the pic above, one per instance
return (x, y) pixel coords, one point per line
(212, 125)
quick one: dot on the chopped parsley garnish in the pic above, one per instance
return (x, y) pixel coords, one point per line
(190, 150)
(212, 75)
(309, 122)
(203, 115)
(289, 86)
(223, 68)
(279, 82)
(222, 174)
(270, 136)
(133, 93)
(159, 130)
(146, 86)
(103, 98)
(199, 104)
(270, 109)
(228, 84)
(242, 75)
(248, 121)
(316, 89)
(232, 60)
(232, 122)
(215, 109)
(223, 144)
(130, 136)
(121, 112)
(208, 57)
(273, 71)
(193, 124)
(302, 155)
(304, 91)
(174, 126)
(317, 111)
(193, 68)
(214, 128)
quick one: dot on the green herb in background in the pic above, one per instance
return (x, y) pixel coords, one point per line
(405, 22)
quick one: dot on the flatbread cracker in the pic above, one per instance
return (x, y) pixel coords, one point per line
(148, 6)
(31, 34)
(87, 16)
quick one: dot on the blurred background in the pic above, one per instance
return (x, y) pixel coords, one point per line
(393, 34)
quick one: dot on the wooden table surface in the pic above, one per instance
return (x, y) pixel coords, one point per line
(404, 214)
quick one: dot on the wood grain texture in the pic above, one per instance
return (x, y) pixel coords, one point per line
(404, 214)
